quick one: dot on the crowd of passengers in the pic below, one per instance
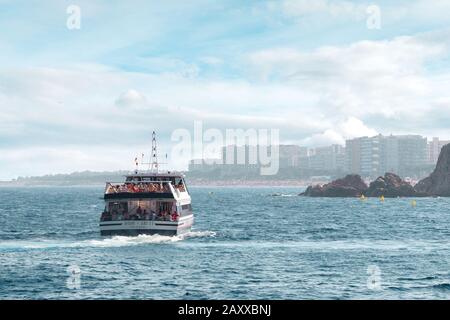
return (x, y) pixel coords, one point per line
(140, 214)
(142, 187)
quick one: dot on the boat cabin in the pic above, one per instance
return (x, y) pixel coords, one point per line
(156, 196)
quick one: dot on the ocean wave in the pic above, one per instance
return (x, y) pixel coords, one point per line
(331, 245)
(417, 279)
(115, 241)
(283, 195)
(441, 286)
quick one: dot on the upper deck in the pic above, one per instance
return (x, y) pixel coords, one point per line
(148, 186)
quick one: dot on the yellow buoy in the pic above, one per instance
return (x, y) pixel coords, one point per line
(413, 203)
(362, 197)
(382, 198)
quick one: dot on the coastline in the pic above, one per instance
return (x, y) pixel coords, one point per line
(212, 184)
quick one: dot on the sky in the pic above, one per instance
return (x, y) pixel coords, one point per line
(319, 71)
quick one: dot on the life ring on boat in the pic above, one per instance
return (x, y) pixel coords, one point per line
(174, 217)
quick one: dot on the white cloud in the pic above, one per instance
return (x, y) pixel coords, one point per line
(131, 98)
(32, 161)
(354, 127)
(350, 128)
(414, 12)
(318, 97)
(334, 8)
(366, 80)
(213, 61)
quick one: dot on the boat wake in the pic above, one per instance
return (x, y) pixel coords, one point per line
(120, 241)
(116, 241)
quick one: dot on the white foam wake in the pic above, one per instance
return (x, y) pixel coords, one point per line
(120, 241)
(115, 241)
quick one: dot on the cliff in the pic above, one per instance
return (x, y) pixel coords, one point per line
(438, 183)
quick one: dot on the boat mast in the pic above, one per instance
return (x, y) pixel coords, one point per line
(154, 160)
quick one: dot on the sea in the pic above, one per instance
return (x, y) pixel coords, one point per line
(246, 243)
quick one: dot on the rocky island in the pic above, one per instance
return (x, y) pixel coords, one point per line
(390, 185)
(350, 186)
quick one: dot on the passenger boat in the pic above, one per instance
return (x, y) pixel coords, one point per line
(150, 202)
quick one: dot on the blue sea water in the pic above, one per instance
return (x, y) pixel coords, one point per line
(247, 243)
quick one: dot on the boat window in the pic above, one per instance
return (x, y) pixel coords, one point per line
(179, 185)
(186, 207)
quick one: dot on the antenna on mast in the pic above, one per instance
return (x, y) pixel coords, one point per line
(136, 170)
(154, 160)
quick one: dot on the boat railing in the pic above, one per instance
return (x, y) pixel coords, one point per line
(138, 186)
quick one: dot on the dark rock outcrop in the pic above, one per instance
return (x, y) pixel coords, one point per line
(438, 183)
(391, 186)
(350, 186)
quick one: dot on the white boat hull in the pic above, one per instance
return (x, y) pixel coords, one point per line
(136, 227)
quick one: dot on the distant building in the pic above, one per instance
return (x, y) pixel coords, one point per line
(434, 149)
(291, 155)
(364, 156)
(373, 156)
(409, 154)
(327, 159)
(370, 157)
(204, 164)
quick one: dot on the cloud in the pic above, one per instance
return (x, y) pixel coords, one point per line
(302, 8)
(348, 129)
(131, 98)
(32, 161)
(315, 97)
(423, 12)
(213, 61)
(250, 66)
(354, 127)
(387, 79)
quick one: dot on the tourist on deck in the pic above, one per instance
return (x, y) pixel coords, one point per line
(166, 216)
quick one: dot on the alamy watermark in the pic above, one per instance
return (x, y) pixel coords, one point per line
(73, 21)
(73, 282)
(259, 147)
(374, 278)
(373, 21)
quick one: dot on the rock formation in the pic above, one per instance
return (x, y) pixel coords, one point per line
(350, 186)
(438, 183)
(391, 186)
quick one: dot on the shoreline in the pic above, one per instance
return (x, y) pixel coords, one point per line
(194, 185)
